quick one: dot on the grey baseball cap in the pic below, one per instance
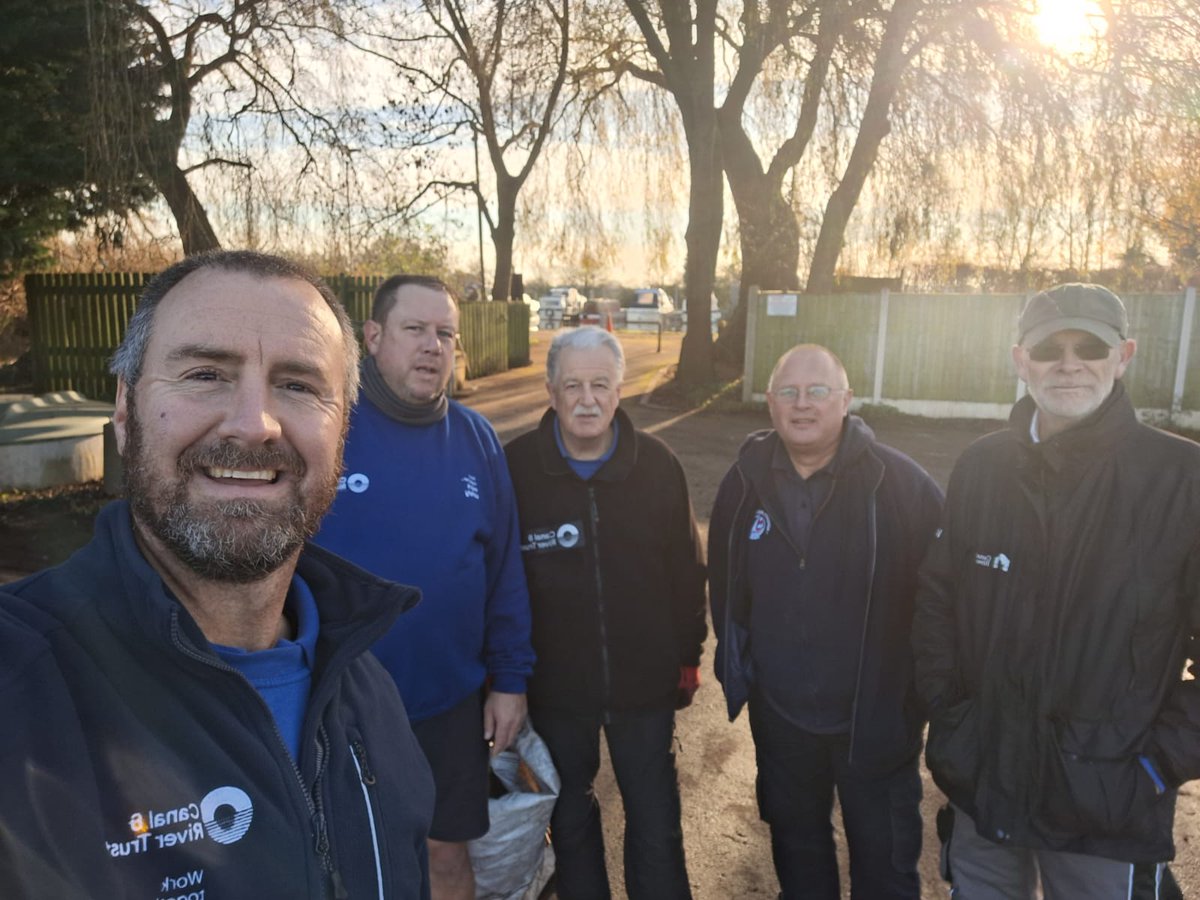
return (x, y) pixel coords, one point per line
(1073, 307)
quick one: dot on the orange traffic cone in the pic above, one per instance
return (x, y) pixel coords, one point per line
(608, 323)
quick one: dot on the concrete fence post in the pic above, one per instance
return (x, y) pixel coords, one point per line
(1185, 347)
(751, 333)
(881, 345)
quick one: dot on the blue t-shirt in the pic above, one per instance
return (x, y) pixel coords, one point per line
(282, 675)
(585, 468)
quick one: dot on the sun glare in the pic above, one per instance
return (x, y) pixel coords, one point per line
(1067, 25)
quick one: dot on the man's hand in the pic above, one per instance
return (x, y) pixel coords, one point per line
(503, 715)
(689, 683)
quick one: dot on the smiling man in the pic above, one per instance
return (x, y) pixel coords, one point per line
(617, 587)
(189, 704)
(813, 547)
(1058, 608)
(427, 500)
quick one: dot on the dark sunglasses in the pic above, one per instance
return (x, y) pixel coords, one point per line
(1051, 350)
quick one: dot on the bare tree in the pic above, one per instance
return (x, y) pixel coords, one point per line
(678, 55)
(204, 73)
(494, 72)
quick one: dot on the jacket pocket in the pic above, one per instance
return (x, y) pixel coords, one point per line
(1095, 785)
(952, 750)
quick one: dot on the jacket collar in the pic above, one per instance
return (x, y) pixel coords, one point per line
(759, 448)
(355, 607)
(619, 465)
(1098, 433)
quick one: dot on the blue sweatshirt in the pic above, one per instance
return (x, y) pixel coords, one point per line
(432, 506)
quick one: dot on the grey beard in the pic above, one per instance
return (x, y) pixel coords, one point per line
(238, 541)
(235, 541)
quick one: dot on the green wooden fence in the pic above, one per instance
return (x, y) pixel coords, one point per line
(76, 322)
(949, 355)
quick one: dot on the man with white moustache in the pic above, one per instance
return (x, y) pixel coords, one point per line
(616, 582)
(190, 708)
(426, 500)
(1059, 606)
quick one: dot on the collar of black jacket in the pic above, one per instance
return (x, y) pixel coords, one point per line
(1095, 435)
(619, 465)
(355, 607)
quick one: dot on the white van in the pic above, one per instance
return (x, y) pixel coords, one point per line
(648, 307)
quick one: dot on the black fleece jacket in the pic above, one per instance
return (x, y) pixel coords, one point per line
(615, 572)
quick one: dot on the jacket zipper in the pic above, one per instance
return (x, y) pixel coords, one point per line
(311, 800)
(594, 515)
(322, 828)
(359, 754)
(873, 535)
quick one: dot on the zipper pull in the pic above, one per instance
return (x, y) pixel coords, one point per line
(803, 562)
(360, 753)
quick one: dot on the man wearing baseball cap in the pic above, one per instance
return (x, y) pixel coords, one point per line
(1058, 608)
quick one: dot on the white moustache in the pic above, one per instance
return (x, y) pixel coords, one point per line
(581, 410)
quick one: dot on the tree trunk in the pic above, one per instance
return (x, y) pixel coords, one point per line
(770, 242)
(502, 235)
(195, 230)
(889, 66)
(705, 209)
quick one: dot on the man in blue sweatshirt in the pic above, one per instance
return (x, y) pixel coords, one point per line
(427, 500)
(189, 705)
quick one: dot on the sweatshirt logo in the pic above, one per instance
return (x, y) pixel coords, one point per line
(470, 487)
(1000, 562)
(761, 526)
(355, 483)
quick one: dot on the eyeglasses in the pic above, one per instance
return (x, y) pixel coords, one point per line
(1051, 350)
(816, 393)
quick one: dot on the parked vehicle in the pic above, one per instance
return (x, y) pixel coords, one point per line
(598, 311)
(648, 307)
(560, 307)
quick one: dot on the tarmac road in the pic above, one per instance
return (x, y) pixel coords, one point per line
(728, 848)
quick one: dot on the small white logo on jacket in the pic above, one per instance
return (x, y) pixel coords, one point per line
(1000, 561)
(470, 486)
(223, 815)
(761, 525)
(553, 537)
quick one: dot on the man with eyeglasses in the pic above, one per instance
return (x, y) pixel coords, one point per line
(1058, 607)
(426, 500)
(814, 544)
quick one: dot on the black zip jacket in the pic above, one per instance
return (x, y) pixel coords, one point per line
(615, 572)
(135, 764)
(869, 536)
(1056, 612)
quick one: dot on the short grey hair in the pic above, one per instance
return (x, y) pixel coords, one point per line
(585, 338)
(131, 355)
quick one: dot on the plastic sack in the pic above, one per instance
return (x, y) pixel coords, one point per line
(514, 860)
